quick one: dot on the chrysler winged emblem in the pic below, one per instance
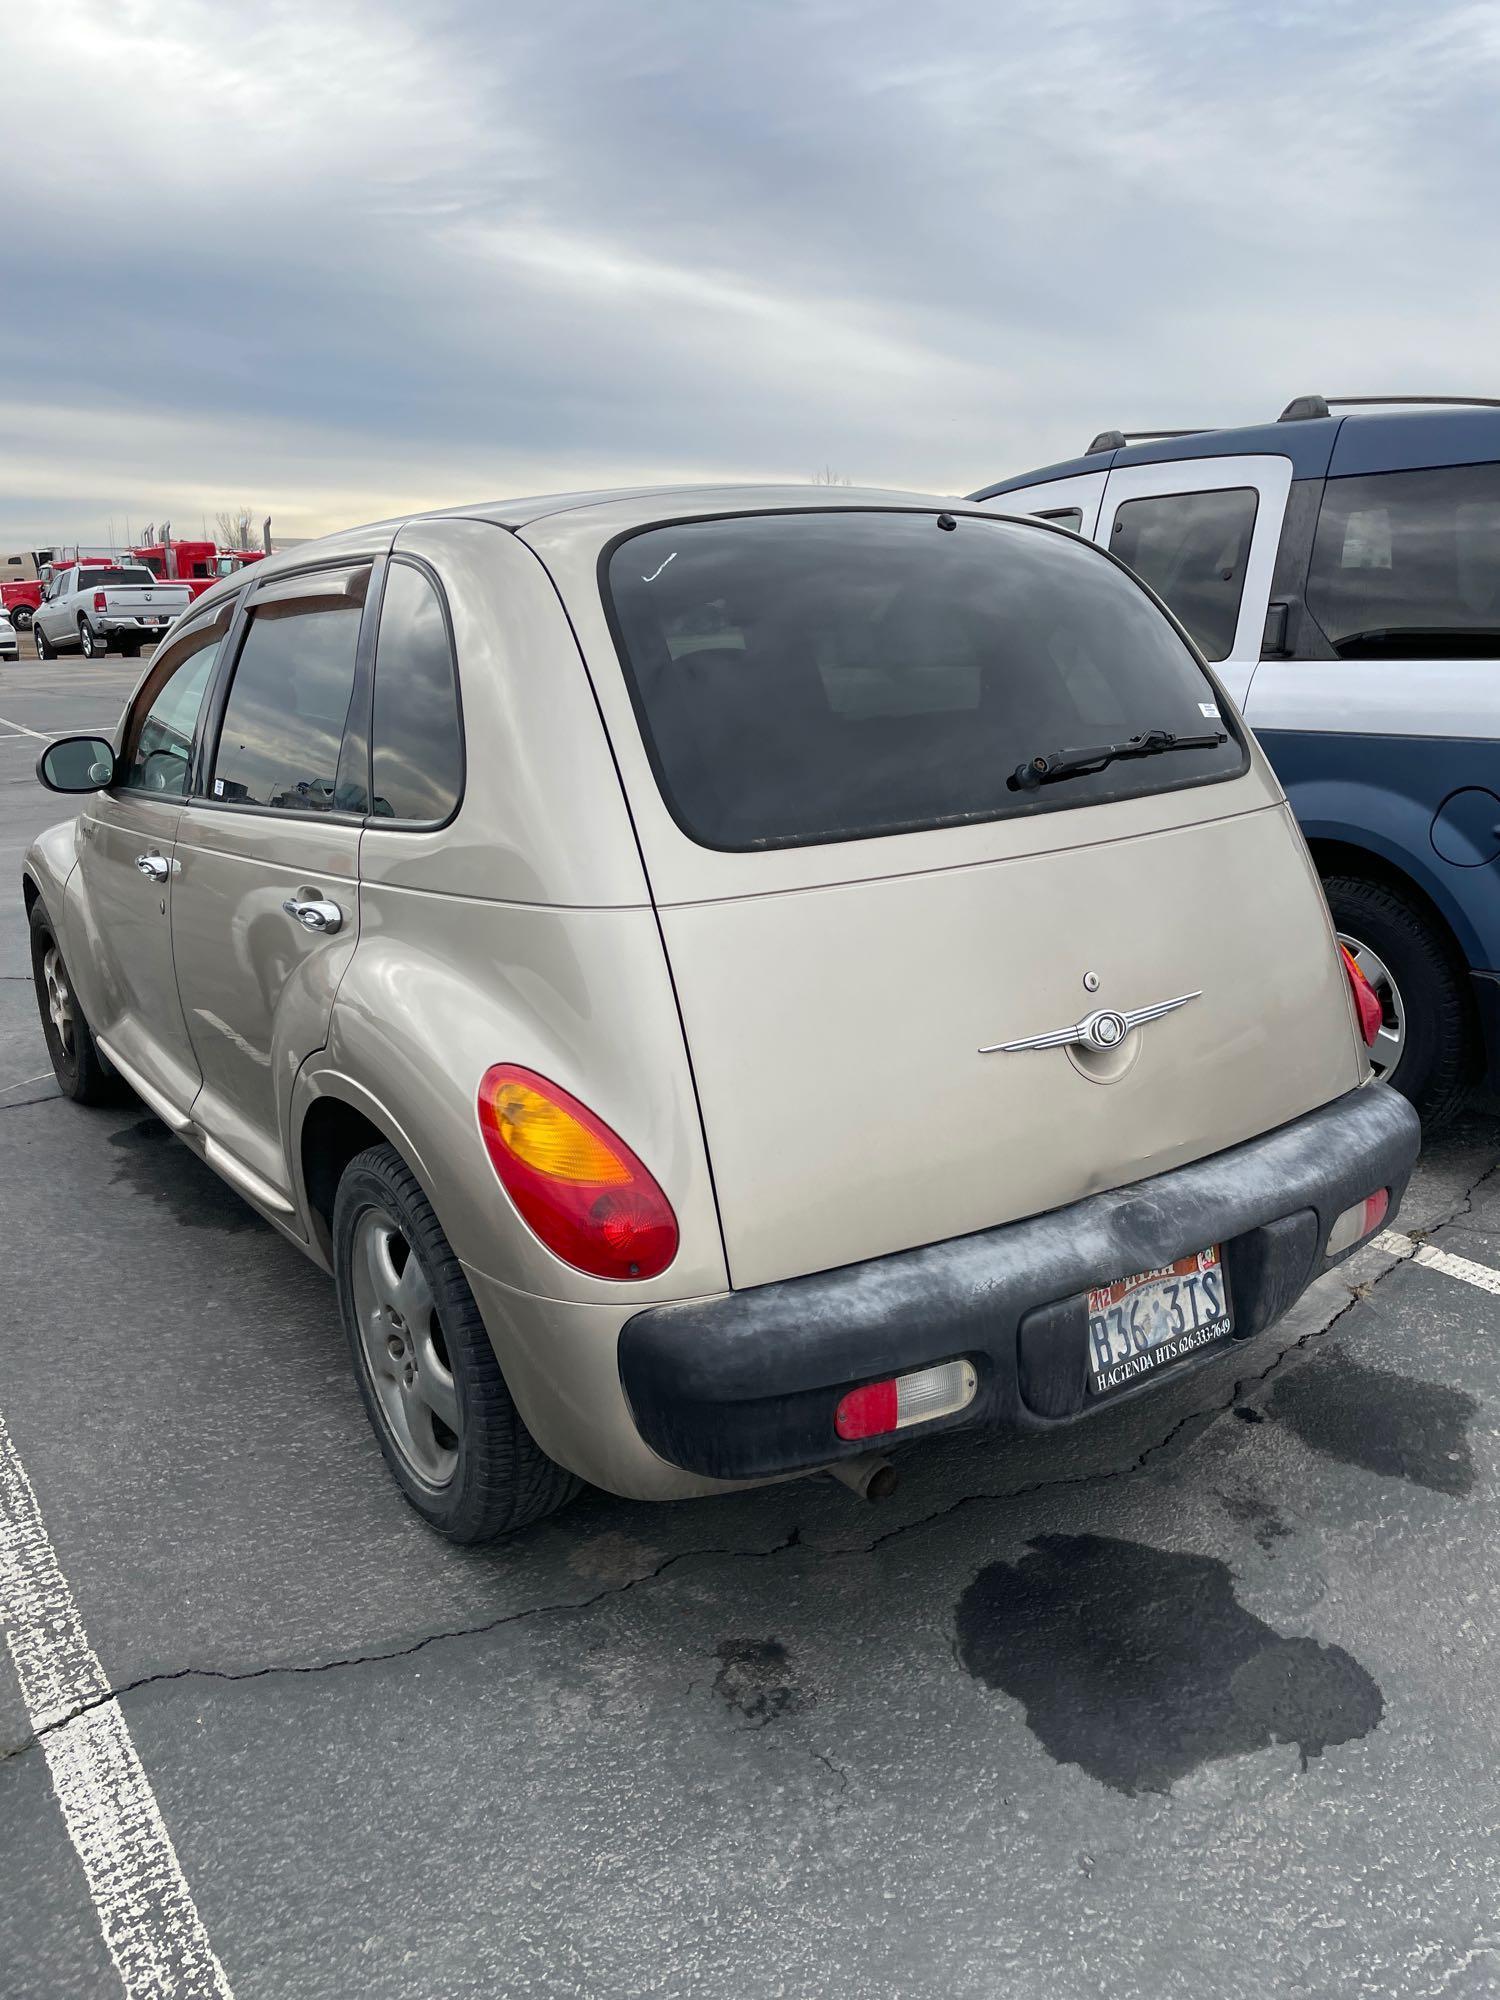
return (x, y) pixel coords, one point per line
(1100, 1031)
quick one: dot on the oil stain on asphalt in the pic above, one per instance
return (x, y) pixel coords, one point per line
(755, 1679)
(1381, 1421)
(1139, 1665)
(154, 1165)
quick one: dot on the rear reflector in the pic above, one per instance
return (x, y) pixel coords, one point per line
(905, 1399)
(1356, 1223)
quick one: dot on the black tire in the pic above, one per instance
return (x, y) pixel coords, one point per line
(131, 648)
(90, 643)
(1438, 1064)
(76, 1063)
(502, 1479)
(21, 618)
(45, 650)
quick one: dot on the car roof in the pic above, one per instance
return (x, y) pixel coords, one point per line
(1385, 440)
(619, 508)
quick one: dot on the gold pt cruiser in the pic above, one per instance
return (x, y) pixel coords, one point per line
(725, 980)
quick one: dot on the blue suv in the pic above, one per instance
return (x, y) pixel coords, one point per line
(1340, 571)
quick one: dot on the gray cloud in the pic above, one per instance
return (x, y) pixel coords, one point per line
(332, 259)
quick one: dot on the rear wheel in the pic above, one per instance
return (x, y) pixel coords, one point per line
(21, 618)
(431, 1385)
(1426, 1044)
(92, 645)
(76, 1061)
(45, 650)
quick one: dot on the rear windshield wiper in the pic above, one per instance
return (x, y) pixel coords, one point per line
(1075, 763)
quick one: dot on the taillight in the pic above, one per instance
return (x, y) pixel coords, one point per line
(576, 1184)
(1366, 1000)
(98, 600)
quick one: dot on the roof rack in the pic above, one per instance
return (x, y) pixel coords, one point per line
(1117, 440)
(1303, 408)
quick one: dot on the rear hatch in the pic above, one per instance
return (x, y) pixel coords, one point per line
(864, 898)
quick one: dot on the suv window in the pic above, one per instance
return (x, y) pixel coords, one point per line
(289, 700)
(831, 675)
(1406, 565)
(157, 748)
(416, 735)
(1063, 517)
(1192, 549)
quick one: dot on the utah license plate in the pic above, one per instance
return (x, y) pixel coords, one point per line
(1142, 1324)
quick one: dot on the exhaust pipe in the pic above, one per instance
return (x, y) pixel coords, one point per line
(265, 534)
(870, 1476)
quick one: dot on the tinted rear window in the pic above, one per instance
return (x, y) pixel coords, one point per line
(828, 676)
(1406, 565)
(101, 579)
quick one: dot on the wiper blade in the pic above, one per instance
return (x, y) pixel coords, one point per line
(1076, 763)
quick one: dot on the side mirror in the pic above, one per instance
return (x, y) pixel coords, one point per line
(76, 764)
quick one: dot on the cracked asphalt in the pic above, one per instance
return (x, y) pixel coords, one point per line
(1196, 1699)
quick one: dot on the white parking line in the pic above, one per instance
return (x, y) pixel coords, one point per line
(22, 730)
(146, 1911)
(1479, 1275)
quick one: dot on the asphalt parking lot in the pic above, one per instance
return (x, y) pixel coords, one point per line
(1196, 1699)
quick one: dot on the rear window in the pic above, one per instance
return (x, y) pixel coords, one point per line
(1406, 565)
(829, 676)
(101, 579)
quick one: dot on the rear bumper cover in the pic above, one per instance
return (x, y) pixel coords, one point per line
(745, 1386)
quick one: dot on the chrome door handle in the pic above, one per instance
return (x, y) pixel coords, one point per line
(313, 915)
(155, 866)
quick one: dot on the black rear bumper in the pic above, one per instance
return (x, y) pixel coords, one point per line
(745, 1386)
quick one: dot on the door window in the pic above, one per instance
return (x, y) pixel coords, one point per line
(1406, 565)
(156, 752)
(289, 701)
(416, 734)
(1192, 548)
(1064, 517)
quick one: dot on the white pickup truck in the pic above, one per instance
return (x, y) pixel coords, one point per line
(96, 605)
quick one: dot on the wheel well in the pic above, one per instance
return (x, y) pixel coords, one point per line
(29, 893)
(1338, 857)
(332, 1134)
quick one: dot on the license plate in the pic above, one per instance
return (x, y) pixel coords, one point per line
(1142, 1324)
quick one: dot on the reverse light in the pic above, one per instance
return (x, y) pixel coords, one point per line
(100, 602)
(1367, 1005)
(577, 1185)
(1356, 1223)
(905, 1399)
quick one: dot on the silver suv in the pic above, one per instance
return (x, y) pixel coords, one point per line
(724, 980)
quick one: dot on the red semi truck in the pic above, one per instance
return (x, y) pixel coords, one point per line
(197, 564)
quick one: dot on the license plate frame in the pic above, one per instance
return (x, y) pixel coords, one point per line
(1138, 1327)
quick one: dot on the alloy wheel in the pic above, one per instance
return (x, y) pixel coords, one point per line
(403, 1347)
(59, 999)
(1387, 1048)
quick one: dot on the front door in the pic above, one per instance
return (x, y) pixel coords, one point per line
(1203, 533)
(123, 894)
(265, 903)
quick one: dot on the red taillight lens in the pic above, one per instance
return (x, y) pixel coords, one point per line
(576, 1184)
(98, 600)
(1366, 1000)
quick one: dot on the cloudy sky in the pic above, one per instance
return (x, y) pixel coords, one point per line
(330, 260)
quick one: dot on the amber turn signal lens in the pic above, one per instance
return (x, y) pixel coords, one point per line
(575, 1183)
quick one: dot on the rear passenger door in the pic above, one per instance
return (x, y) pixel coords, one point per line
(1203, 532)
(265, 902)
